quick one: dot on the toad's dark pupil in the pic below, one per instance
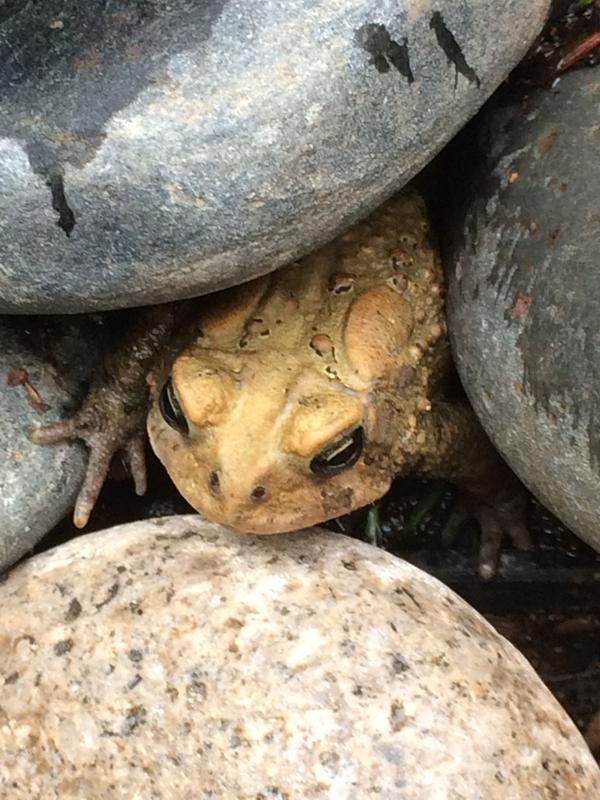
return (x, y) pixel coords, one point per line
(340, 455)
(171, 410)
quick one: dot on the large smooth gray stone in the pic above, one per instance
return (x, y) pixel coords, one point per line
(186, 146)
(524, 300)
(38, 484)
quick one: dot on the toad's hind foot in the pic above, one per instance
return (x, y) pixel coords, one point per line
(106, 428)
(497, 519)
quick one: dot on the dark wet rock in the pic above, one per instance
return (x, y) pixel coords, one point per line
(156, 150)
(524, 295)
(42, 373)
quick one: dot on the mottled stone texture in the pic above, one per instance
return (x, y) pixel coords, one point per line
(174, 659)
(156, 150)
(524, 296)
(41, 375)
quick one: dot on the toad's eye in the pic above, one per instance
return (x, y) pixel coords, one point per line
(340, 455)
(171, 410)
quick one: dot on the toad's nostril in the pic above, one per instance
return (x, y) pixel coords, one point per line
(258, 494)
(214, 483)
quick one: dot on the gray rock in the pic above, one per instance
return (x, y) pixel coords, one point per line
(157, 150)
(177, 659)
(524, 300)
(38, 484)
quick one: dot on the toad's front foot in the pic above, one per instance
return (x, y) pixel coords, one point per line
(499, 517)
(107, 423)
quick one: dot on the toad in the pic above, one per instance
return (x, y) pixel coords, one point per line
(299, 396)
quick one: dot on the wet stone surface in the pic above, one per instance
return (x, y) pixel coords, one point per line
(160, 150)
(172, 654)
(42, 372)
(524, 292)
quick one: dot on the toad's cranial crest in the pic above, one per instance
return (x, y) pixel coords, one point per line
(304, 394)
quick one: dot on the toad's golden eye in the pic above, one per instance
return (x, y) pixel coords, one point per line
(341, 454)
(171, 410)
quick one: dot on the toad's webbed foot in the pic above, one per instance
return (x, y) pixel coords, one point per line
(498, 517)
(107, 423)
(489, 492)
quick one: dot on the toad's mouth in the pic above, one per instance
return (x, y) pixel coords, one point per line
(270, 511)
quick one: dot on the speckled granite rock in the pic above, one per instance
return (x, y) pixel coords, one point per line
(173, 659)
(160, 150)
(40, 375)
(524, 293)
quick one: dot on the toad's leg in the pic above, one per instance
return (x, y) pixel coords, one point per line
(113, 416)
(490, 492)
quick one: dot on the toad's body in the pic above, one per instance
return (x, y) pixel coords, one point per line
(306, 391)
(339, 348)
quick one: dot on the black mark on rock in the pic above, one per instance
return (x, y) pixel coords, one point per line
(133, 682)
(60, 648)
(410, 595)
(135, 655)
(398, 55)
(66, 218)
(451, 48)
(112, 593)
(73, 611)
(384, 51)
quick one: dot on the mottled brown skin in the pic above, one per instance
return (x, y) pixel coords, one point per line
(352, 336)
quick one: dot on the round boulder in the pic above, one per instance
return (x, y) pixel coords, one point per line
(175, 659)
(524, 292)
(155, 150)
